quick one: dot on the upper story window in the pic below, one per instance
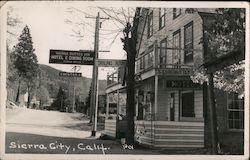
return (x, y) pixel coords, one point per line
(150, 24)
(163, 53)
(176, 12)
(150, 58)
(162, 17)
(142, 61)
(137, 65)
(176, 53)
(235, 108)
(188, 43)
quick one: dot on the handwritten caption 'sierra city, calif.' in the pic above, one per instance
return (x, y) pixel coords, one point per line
(64, 147)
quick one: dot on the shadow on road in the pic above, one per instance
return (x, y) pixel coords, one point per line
(83, 126)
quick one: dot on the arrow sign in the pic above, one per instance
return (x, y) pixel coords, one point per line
(110, 62)
(83, 57)
(70, 74)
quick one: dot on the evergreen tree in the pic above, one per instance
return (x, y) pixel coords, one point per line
(59, 102)
(42, 95)
(25, 62)
(87, 102)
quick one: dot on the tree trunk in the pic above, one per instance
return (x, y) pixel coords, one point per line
(130, 97)
(212, 114)
(28, 103)
(130, 48)
(18, 91)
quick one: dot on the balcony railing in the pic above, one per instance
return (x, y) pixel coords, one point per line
(173, 66)
(112, 78)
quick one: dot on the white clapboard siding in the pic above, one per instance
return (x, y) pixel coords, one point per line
(171, 134)
(171, 26)
(110, 127)
(198, 103)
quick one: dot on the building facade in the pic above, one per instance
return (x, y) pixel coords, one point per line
(171, 110)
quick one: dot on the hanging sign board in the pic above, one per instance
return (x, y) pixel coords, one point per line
(70, 74)
(174, 71)
(110, 63)
(181, 84)
(83, 57)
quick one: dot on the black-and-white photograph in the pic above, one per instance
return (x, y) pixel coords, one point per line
(125, 79)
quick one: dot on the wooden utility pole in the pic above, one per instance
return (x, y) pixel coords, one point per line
(94, 88)
(94, 91)
(73, 100)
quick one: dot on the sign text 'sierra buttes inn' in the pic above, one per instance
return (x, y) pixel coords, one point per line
(72, 57)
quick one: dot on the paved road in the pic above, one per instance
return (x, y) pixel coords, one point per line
(51, 132)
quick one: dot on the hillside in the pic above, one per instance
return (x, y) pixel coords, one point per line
(52, 81)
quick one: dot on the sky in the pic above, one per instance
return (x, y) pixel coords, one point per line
(49, 30)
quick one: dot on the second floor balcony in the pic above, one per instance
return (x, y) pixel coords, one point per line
(167, 64)
(151, 64)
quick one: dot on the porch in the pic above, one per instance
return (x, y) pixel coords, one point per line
(169, 134)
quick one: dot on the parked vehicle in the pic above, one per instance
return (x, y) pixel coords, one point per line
(11, 105)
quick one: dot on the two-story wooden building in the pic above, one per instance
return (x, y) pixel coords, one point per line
(170, 108)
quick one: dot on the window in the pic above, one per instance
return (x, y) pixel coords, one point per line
(162, 19)
(142, 61)
(163, 53)
(235, 107)
(176, 47)
(137, 64)
(146, 61)
(188, 43)
(187, 103)
(150, 58)
(150, 24)
(176, 12)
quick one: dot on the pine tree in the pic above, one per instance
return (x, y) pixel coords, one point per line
(87, 104)
(59, 102)
(25, 61)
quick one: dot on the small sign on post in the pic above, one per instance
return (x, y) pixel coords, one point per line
(110, 62)
(70, 74)
(83, 57)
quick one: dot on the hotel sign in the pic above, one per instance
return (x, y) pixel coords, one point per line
(83, 57)
(174, 71)
(181, 84)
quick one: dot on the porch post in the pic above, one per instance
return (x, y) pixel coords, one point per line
(155, 96)
(107, 106)
(118, 103)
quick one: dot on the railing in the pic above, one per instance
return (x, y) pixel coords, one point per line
(110, 127)
(112, 78)
(168, 134)
(173, 66)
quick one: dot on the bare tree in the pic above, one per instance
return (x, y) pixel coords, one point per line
(123, 21)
